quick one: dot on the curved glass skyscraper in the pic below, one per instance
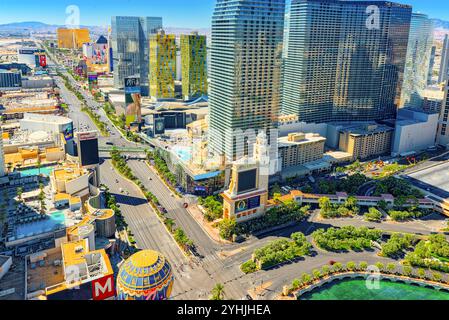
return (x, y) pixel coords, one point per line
(418, 60)
(245, 70)
(345, 60)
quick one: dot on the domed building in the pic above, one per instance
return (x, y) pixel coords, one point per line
(146, 275)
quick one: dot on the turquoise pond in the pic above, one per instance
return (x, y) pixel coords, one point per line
(357, 290)
(46, 171)
(55, 221)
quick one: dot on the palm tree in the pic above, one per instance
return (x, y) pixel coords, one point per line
(218, 292)
(19, 193)
(170, 224)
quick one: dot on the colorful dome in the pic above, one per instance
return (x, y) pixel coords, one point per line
(146, 275)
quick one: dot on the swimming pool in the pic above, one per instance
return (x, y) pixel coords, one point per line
(55, 221)
(46, 171)
(184, 153)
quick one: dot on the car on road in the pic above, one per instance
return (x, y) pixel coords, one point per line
(110, 143)
(185, 205)
(332, 262)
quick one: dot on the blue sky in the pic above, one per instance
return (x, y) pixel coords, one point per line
(176, 13)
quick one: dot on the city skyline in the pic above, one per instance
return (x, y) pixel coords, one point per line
(176, 13)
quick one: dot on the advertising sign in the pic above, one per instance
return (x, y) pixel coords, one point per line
(133, 101)
(83, 136)
(159, 126)
(248, 204)
(103, 288)
(68, 132)
(92, 79)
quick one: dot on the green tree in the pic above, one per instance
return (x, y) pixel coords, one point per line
(325, 270)
(380, 266)
(363, 266)
(350, 266)
(306, 278)
(20, 193)
(316, 274)
(337, 267)
(436, 276)
(227, 228)
(407, 270)
(296, 283)
(421, 273)
(218, 292)
(391, 267)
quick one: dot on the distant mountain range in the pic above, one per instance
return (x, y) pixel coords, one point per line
(39, 27)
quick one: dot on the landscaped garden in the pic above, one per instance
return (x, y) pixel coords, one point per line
(278, 252)
(346, 238)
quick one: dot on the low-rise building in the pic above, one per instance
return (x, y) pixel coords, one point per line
(10, 80)
(366, 141)
(53, 274)
(300, 148)
(415, 131)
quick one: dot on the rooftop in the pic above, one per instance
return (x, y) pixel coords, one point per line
(300, 138)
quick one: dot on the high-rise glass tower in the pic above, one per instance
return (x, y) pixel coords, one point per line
(444, 67)
(163, 52)
(130, 45)
(419, 52)
(245, 70)
(194, 65)
(345, 60)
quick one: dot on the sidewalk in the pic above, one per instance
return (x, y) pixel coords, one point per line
(212, 232)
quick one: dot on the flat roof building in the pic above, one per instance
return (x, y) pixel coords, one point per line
(300, 148)
(366, 141)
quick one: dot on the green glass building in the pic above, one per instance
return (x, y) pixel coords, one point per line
(194, 65)
(162, 65)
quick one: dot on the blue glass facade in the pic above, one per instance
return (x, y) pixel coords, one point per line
(130, 44)
(345, 60)
(245, 69)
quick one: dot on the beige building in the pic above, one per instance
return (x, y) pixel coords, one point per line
(366, 141)
(300, 148)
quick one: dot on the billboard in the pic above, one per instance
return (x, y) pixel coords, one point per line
(41, 60)
(133, 104)
(67, 130)
(92, 79)
(248, 204)
(159, 126)
(88, 148)
(247, 181)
